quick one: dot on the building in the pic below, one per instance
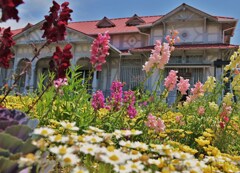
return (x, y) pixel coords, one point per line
(203, 51)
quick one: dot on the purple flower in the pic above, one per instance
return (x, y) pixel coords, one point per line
(116, 95)
(98, 100)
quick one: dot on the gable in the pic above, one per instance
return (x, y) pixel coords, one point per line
(105, 23)
(135, 20)
(34, 35)
(184, 12)
(183, 16)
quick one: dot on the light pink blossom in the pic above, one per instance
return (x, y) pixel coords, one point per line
(183, 85)
(171, 80)
(201, 110)
(155, 123)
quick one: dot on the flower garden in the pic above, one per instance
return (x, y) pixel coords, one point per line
(63, 128)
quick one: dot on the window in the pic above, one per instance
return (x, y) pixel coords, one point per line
(175, 60)
(194, 59)
(131, 73)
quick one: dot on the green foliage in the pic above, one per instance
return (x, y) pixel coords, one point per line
(69, 102)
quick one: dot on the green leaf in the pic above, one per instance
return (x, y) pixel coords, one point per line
(19, 131)
(9, 142)
(4, 152)
(8, 166)
(33, 123)
(27, 147)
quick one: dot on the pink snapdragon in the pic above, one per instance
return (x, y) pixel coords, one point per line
(98, 100)
(183, 85)
(99, 51)
(171, 80)
(116, 95)
(155, 123)
(155, 57)
(129, 99)
(60, 82)
(161, 53)
(201, 110)
(197, 91)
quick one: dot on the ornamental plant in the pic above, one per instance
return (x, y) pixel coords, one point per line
(129, 131)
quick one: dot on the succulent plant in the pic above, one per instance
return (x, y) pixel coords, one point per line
(15, 117)
(15, 140)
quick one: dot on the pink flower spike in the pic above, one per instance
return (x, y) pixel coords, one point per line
(60, 82)
(183, 85)
(99, 51)
(201, 110)
(171, 80)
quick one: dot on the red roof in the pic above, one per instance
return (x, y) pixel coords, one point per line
(90, 28)
(189, 46)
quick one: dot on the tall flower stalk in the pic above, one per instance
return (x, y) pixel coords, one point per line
(54, 30)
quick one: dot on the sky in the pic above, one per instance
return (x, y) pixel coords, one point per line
(33, 11)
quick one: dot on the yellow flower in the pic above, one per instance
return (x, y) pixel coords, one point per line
(213, 106)
(102, 112)
(163, 135)
(227, 99)
(202, 142)
(210, 84)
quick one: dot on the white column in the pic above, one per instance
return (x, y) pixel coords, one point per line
(14, 71)
(32, 76)
(94, 82)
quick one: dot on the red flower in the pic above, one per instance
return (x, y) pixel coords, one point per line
(9, 10)
(6, 42)
(55, 25)
(62, 60)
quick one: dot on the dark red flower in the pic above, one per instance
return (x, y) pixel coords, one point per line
(6, 42)
(62, 60)
(55, 25)
(9, 10)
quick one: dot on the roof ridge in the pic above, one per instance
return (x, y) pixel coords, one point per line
(114, 18)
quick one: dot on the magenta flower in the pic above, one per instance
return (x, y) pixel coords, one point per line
(132, 112)
(99, 51)
(98, 100)
(155, 123)
(171, 80)
(116, 95)
(183, 85)
(60, 82)
(129, 99)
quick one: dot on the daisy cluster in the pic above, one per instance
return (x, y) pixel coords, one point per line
(96, 150)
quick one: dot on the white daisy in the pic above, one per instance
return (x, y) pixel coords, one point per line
(43, 131)
(69, 126)
(135, 166)
(182, 155)
(122, 168)
(134, 154)
(93, 139)
(58, 138)
(131, 132)
(69, 159)
(80, 170)
(91, 149)
(116, 157)
(95, 129)
(28, 160)
(61, 150)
